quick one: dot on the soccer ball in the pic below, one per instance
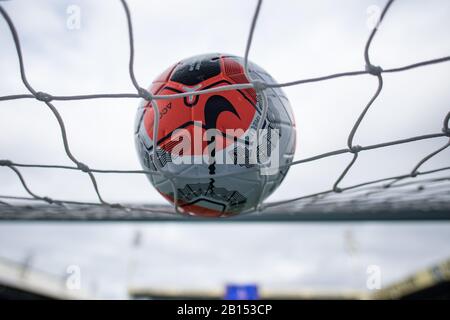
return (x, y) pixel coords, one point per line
(220, 153)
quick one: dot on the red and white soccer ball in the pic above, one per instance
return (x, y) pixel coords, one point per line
(220, 153)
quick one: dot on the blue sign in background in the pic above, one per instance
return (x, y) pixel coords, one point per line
(241, 292)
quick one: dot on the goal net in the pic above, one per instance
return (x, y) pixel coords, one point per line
(418, 189)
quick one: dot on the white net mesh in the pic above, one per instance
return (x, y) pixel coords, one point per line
(412, 194)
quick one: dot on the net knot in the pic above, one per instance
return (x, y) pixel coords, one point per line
(116, 205)
(144, 94)
(42, 96)
(259, 85)
(83, 167)
(374, 70)
(414, 174)
(337, 189)
(48, 200)
(6, 163)
(355, 149)
(446, 131)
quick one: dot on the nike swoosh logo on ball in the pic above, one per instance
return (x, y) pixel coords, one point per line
(214, 106)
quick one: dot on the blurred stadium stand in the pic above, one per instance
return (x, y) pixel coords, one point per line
(219, 294)
(19, 281)
(431, 283)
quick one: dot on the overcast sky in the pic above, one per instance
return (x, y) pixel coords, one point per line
(293, 40)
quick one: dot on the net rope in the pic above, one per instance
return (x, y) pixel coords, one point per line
(372, 190)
